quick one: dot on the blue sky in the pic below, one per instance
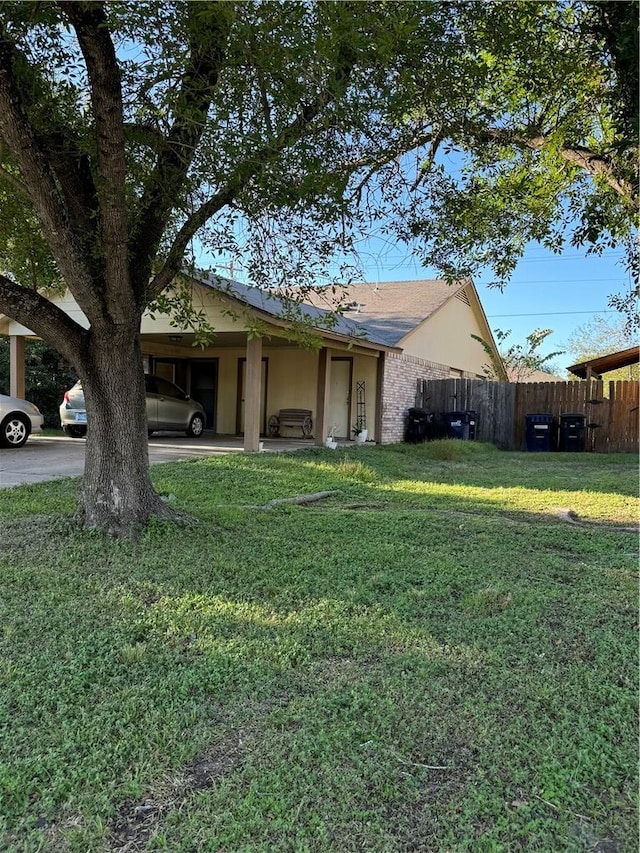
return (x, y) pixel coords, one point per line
(559, 292)
(547, 291)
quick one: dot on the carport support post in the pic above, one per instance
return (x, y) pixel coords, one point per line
(321, 426)
(16, 366)
(252, 395)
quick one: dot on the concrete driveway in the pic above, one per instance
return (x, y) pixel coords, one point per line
(51, 457)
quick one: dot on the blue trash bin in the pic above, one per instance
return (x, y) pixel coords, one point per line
(461, 425)
(540, 432)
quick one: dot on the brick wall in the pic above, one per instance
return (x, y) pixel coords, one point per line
(401, 374)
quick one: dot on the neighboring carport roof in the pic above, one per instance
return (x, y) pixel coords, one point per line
(605, 363)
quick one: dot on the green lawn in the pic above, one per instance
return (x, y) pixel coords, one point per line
(432, 659)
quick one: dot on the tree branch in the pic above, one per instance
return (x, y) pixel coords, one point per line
(67, 160)
(72, 169)
(13, 180)
(43, 317)
(264, 98)
(62, 151)
(90, 23)
(415, 139)
(207, 51)
(39, 180)
(252, 167)
(597, 165)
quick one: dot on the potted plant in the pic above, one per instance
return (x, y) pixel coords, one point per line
(360, 434)
(330, 441)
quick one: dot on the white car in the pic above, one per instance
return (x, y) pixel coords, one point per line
(18, 419)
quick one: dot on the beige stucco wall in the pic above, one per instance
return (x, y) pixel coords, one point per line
(215, 307)
(292, 379)
(445, 338)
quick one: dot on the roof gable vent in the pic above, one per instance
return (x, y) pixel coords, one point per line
(462, 296)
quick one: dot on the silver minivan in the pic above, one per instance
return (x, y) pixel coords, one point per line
(168, 408)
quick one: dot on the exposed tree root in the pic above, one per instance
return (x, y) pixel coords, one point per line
(570, 517)
(299, 499)
(567, 515)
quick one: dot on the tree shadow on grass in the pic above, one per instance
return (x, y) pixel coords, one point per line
(412, 615)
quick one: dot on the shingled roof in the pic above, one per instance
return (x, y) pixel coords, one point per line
(382, 313)
(388, 311)
(317, 313)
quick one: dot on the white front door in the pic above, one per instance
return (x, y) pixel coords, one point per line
(340, 398)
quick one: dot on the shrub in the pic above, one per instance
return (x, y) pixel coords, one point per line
(47, 377)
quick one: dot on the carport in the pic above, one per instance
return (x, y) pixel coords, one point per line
(254, 367)
(594, 368)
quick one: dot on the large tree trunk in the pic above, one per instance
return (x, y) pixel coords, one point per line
(118, 497)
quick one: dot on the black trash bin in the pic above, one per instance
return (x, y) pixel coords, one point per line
(418, 425)
(540, 432)
(572, 432)
(461, 425)
(437, 428)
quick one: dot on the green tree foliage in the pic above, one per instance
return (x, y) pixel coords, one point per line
(602, 336)
(47, 377)
(282, 132)
(520, 360)
(542, 129)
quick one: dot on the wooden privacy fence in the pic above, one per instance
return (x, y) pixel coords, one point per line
(501, 408)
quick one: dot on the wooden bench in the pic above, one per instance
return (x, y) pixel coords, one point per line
(291, 418)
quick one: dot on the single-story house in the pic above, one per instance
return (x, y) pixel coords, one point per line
(363, 369)
(518, 375)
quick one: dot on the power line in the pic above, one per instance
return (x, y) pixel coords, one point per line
(562, 281)
(572, 258)
(552, 313)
